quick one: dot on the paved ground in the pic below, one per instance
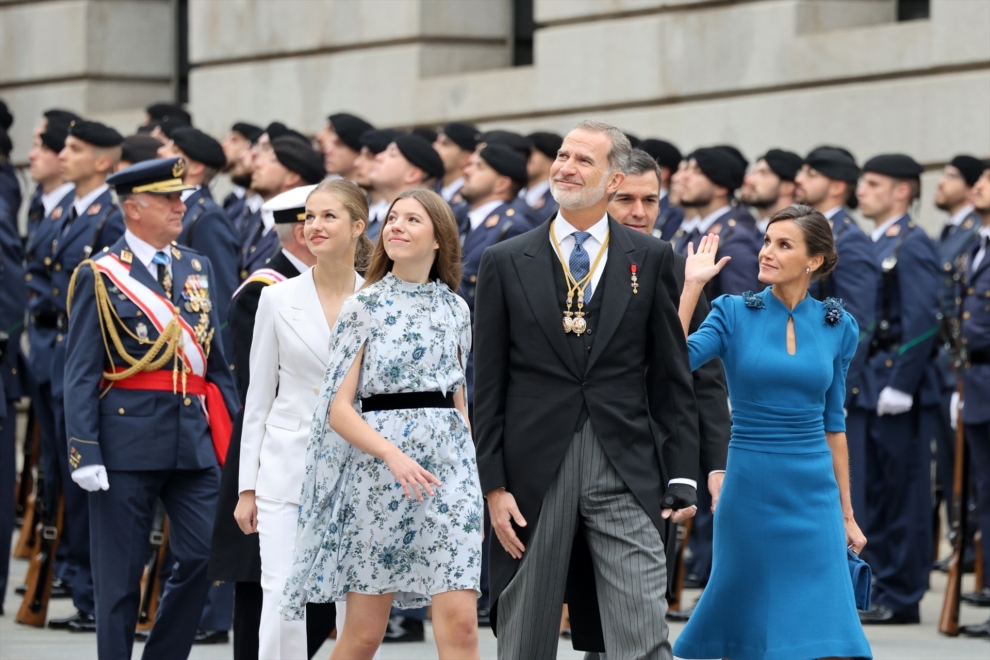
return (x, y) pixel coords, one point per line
(920, 642)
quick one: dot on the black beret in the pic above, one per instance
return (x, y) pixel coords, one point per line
(199, 146)
(160, 111)
(738, 155)
(299, 157)
(139, 148)
(56, 116)
(464, 136)
(899, 166)
(666, 154)
(378, 139)
(720, 166)
(6, 146)
(834, 162)
(507, 162)
(971, 168)
(55, 134)
(420, 153)
(784, 164)
(95, 133)
(349, 129)
(171, 124)
(546, 143)
(250, 131)
(6, 119)
(426, 133)
(633, 140)
(508, 138)
(161, 176)
(277, 129)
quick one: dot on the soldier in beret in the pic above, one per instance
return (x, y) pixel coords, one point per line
(137, 149)
(237, 150)
(373, 143)
(455, 143)
(769, 185)
(340, 141)
(408, 162)
(541, 157)
(668, 158)
(900, 388)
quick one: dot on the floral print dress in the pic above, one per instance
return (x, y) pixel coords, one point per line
(357, 530)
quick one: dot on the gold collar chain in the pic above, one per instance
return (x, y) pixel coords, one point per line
(574, 321)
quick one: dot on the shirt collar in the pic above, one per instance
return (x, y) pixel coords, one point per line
(599, 231)
(831, 213)
(985, 231)
(878, 233)
(663, 193)
(254, 203)
(239, 191)
(762, 225)
(51, 200)
(448, 192)
(295, 261)
(186, 194)
(377, 211)
(957, 219)
(83, 203)
(709, 220)
(533, 193)
(144, 252)
(478, 215)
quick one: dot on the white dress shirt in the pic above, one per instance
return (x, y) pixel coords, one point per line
(51, 200)
(564, 231)
(762, 225)
(377, 212)
(829, 214)
(296, 261)
(534, 193)
(83, 203)
(145, 252)
(982, 252)
(186, 194)
(239, 191)
(706, 223)
(958, 217)
(480, 214)
(878, 233)
(254, 203)
(448, 192)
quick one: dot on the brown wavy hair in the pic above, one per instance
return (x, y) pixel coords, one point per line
(356, 204)
(817, 235)
(447, 263)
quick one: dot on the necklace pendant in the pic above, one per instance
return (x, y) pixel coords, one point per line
(568, 323)
(579, 324)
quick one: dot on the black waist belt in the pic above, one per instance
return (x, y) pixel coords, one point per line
(979, 357)
(45, 319)
(406, 400)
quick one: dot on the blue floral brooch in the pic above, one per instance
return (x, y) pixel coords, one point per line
(833, 310)
(752, 300)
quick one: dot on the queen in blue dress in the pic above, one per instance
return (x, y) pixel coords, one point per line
(780, 587)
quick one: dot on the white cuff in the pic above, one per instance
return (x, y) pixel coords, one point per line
(690, 482)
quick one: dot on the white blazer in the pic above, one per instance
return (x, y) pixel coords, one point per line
(289, 354)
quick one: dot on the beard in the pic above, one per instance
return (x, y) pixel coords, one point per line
(578, 199)
(762, 203)
(242, 180)
(701, 199)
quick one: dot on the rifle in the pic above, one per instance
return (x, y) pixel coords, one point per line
(41, 572)
(151, 583)
(675, 602)
(25, 480)
(28, 494)
(948, 620)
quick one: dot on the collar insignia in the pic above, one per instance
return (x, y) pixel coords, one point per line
(94, 209)
(57, 213)
(176, 253)
(539, 203)
(716, 229)
(491, 221)
(126, 256)
(893, 230)
(968, 223)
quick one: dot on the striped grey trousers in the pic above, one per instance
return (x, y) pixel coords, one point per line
(627, 551)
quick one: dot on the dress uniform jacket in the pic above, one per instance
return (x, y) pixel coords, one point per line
(668, 220)
(735, 240)
(10, 187)
(906, 317)
(36, 211)
(975, 331)
(258, 253)
(545, 207)
(13, 301)
(234, 206)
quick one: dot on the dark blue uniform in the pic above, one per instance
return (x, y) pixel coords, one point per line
(736, 241)
(898, 516)
(257, 246)
(669, 219)
(234, 207)
(10, 187)
(855, 282)
(544, 208)
(74, 240)
(154, 444)
(975, 331)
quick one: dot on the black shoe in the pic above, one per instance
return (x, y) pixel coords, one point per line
(403, 629)
(484, 618)
(63, 624)
(61, 589)
(880, 615)
(979, 598)
(566, 633)
(21, 590)
(680, 616)
(141, 635)
(211, 637)
(969, 564)
(976, 630)
(85, 623)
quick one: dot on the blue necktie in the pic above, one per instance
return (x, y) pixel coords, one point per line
(580, 262)
(161, 259)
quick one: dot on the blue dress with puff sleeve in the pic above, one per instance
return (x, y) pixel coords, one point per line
(780, 586)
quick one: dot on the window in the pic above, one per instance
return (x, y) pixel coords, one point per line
(522, 32)
(913, 10)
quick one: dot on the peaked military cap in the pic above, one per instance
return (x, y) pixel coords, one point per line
(289, 206)
(6, 119)
(299, 157)
(666, 154)
(95, 133)
(160, 111)
(349, 128)
(546, 143)
(378, 139)
(508, 138)
(899, 166)
(464, 136)
(162, 176)
(54, 135)
(277, 129)
(199, 146)
(833, 162)
(720, 166)
(250, 131)
(784, 164)
(420, 153)
(139, 148)
(971, 168)
(506, 161)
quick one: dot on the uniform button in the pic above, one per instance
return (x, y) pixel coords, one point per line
(473, 278)
(231, 367)
(48, 261)
(947, 267)
(138, 313)
(55, 291)
(855, 390)
(965, 315)
(889, 363)
(58, 338)
(28, 277)
(120, 410)
(187, 401)
(970, 291)
(58, 267)
(13, 371)
(586, 385)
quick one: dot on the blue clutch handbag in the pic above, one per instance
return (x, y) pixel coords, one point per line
(862, 579)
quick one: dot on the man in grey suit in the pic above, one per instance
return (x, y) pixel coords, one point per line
(585, 417)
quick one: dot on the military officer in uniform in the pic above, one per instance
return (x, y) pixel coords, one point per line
(373, 143)
(975, 330)
(10, 187)
(541, 157)
(455, 143)
(340, 141)
(151, 394)
(668, 158)
(827, 181)
(237, 151)
(137, 149)
(769, 186)
(899, 387)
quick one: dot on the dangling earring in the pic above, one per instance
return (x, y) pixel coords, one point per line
(807, 270)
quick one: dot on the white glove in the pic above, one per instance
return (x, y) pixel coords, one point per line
(893, 402)
(954, 410)
(91, 478)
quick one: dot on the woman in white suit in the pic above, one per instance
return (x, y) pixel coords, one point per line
(289, 355)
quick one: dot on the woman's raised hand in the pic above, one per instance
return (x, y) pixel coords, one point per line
(701, 266)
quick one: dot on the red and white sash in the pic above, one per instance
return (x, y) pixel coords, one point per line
(266, 276)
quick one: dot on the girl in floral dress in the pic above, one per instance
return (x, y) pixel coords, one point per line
(391, 507)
